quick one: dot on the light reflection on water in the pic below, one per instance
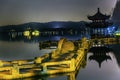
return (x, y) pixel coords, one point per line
(109, 70)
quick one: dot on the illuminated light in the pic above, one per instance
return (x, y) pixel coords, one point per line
(117, 33)
(113, 27)
(13, 35)
(26, 33)
(35, 33)
(108, 29)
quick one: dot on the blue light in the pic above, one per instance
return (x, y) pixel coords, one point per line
(108, 29)
(113, 27)
(57, 26)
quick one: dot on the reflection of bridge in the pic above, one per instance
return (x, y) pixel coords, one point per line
(67, 57)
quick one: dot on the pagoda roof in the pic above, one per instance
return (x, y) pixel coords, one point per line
(99, 16)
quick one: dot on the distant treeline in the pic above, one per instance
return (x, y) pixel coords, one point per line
(45, 26)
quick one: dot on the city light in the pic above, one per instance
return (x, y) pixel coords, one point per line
(35, 33)
(111, 29)
(117, 33)
(26, 33)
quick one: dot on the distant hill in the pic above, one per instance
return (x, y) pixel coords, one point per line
(44, 26)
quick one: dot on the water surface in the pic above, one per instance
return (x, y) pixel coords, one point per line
(97, 67)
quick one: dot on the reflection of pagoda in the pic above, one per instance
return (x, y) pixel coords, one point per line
(99, 54)
(99, 24)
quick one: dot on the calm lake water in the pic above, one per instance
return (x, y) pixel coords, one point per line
(101, 66)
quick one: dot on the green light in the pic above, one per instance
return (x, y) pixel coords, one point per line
(117, 33)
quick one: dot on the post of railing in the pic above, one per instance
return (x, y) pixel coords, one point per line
(15, 70)
(44, 68)
(72, 65)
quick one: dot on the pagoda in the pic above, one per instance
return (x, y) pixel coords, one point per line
(99, 24)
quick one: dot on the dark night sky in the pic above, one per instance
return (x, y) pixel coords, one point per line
(22, 11)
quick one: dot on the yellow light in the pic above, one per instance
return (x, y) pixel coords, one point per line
(26, 33)
(35, 33)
